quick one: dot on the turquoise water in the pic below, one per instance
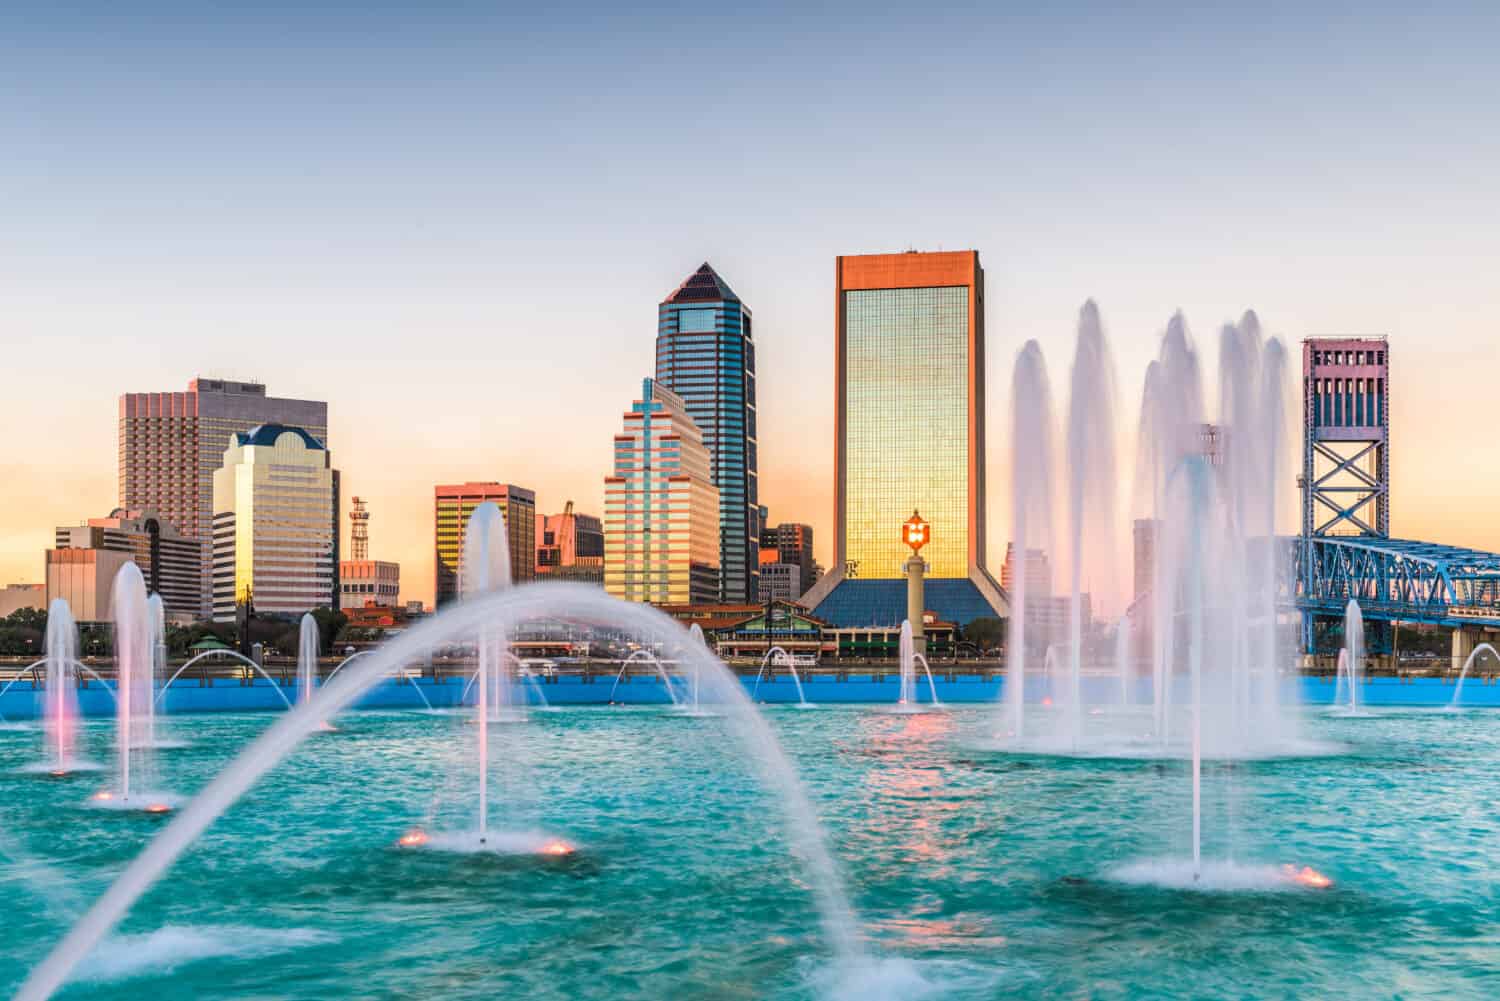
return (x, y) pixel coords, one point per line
(978, 875)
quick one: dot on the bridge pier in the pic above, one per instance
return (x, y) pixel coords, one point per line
(1465, 639)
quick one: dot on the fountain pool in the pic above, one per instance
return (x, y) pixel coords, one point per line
(975, 874)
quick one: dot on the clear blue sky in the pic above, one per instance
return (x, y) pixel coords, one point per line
(453, 222)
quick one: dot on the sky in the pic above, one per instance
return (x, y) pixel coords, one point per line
(454, 221)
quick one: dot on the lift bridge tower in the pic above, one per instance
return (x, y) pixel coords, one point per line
(1346, 440)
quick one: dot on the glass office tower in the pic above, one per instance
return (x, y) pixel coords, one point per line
(704, 354)
(909, 436)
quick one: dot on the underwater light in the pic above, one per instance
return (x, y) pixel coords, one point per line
(558, 848)
(412, 839)
(1307, 876)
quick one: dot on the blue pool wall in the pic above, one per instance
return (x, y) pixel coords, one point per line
(23, 701)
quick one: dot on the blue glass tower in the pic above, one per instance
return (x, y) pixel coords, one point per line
(704, 354)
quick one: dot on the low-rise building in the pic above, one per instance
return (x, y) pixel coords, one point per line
(14, 597)
(366, 582)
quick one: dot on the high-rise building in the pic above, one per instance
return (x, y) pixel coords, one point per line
(452, 505)
(570, 546)
(171, 445)
(275, 527)
(909, 435)
(1038, 572)
(661, 509)
(168, 560)
(705, 354)
(793, 543)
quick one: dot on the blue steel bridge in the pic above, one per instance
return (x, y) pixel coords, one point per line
(1395, 579)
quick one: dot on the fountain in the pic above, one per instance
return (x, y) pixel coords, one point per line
(135, 697)
(1458, 690)
(309, 645)
(1031, 510)
(1091, 491)
(907, 700)
(498, 613)
(61, 706)
(1352, 657)
(1122, 657)
(774, 657)
(694, 708)
(307, 658)
(646, 656)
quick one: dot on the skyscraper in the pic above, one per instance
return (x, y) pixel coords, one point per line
(661, 510)
(274, 530)
(452, 505)
(909, 436)
(171, 444)
(705, 354)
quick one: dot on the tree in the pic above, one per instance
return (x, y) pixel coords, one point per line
(330, 623)
(986, 632)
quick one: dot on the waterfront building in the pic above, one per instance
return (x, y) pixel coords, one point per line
(453, 503)
(570, 546)
(705, 354)
(14, 597)
(275, 524)
(909, 435)
(169, 562)
(751, 630)
(171, 444)
(661, 509)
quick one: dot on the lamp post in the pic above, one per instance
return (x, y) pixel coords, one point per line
(916, 533)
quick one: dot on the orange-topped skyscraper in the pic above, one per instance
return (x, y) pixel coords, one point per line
(909, 435)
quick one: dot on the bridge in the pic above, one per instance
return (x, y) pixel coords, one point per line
(1397, 579)
(1345, 550)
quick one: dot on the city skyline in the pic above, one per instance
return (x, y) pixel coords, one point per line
(124, 256)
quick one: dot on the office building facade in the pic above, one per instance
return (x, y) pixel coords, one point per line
(778, 581)
(661, 509)
(909, 435)
(706, 355)
(275, 524)
(793, 543)
(169, 562)
(171, 444)
(453, 503)
(570, 546)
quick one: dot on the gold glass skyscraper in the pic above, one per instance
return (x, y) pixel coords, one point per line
(909, 436)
